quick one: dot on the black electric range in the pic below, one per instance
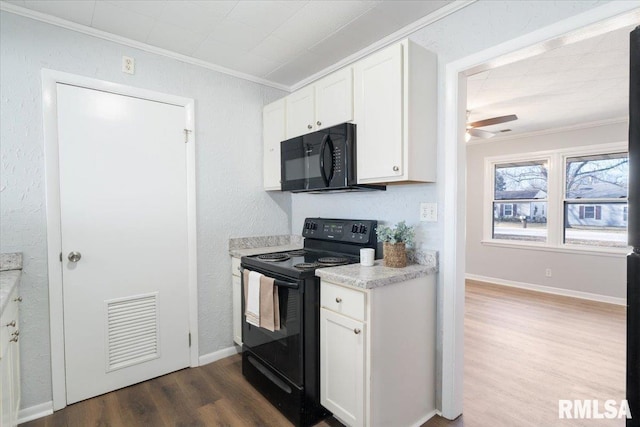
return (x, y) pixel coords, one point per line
(284, 365)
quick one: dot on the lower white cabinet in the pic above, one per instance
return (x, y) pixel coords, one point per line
(236, 283)
(10, 363)
(377, 352)
(342, 343)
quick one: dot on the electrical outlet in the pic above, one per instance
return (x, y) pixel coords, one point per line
(547, 272)
(429, 212)
(128, 65)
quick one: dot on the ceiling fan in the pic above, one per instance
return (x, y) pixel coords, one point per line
(472, 128)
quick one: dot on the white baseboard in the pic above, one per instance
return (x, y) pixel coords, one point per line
(35, 412)
(426, 418)
(549, 290)
(205, 359)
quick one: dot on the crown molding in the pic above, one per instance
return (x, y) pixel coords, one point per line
(587, 125)
(402, 33)
(59, 22)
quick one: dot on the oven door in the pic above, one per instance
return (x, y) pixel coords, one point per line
(282, 349)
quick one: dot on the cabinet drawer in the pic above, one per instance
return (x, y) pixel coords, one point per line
(235, 266)
(343, 300)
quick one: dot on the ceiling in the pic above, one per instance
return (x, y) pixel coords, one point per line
(578, 83)
(280, 41)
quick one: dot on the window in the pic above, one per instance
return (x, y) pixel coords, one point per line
(574, 199)
(519, 201)
(603, 180)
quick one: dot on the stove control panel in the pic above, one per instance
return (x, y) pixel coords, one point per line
(341, 230)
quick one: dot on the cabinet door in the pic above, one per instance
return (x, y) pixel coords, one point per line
(300, 111)
(334, 99)
(237, 309)
(273, 126)
(379, 115)
(342, 387)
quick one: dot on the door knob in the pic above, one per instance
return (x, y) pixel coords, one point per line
(396, 169)
(74, 256)
(356, 331)
(319, 123)
(309, 127)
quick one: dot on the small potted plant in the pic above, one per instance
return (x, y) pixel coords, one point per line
(395, 242)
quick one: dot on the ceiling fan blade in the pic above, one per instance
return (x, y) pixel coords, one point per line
(478, 133)
(493, 121)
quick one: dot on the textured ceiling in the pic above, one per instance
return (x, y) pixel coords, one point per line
(582, 82)
(280, 41)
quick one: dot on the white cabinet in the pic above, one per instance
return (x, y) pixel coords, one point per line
(325, 103)
(10, 362)
(395, 92)
(273, 132)
(377, 352)
(236, 283)
(343, 339)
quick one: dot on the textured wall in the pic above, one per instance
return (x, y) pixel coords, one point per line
(229, 172)
(479, 26)
(593, 273)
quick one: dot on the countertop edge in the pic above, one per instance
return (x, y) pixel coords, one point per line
(351, 275)
(264, 250)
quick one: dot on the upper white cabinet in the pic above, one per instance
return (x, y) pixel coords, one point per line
(273, 119)
(396, 115)
(325, 103)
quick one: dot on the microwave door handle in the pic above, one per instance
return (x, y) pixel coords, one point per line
(326, 141)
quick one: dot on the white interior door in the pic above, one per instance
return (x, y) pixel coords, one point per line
(123, 201)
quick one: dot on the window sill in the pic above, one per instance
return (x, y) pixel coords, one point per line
(567, 249)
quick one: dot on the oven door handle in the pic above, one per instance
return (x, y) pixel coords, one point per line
(280, 283)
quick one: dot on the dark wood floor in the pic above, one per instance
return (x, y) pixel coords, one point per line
(523, 352)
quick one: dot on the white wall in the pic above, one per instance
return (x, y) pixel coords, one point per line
(592, 273)
(229, 173)
(477, 27)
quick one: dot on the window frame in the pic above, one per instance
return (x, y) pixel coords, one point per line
(556, 196)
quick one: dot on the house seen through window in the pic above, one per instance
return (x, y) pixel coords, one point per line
(520, 201)
(595, 204)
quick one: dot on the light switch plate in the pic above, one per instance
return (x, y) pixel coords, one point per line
(429, 212)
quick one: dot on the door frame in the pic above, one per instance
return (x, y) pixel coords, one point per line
(50, 78)
(454, 184)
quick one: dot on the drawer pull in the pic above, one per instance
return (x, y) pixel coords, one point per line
(11, 324)
(338, 300)
(19, 299)
(14, 339)
(15, 333)
(356, 331)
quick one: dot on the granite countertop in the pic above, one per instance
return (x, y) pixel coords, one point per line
(10, 272)
(373, 277)
(243, 246)
(422, 262)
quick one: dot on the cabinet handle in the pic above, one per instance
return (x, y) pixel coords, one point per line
(11, 324)
(396, 169)
(338, 300)
(319, 123)
(356, 331)
(15, 333)
(14, 339)
(309, 127)
(19, 299)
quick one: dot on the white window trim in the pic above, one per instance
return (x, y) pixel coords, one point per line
(556, 160)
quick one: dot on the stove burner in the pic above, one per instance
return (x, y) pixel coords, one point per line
(273, 257)
(307, 265)
(298, 252)
(332, 261)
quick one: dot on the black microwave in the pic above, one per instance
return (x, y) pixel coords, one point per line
(324, 160)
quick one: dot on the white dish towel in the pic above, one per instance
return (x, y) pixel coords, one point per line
(253, 301)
